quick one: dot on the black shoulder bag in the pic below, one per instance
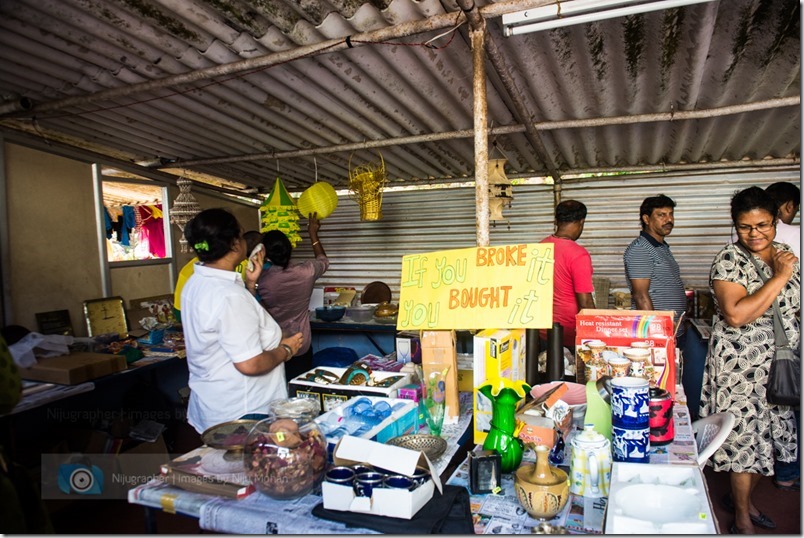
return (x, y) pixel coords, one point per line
(784, 379)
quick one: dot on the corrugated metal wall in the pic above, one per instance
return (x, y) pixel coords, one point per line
(438, 219)
(702, 218)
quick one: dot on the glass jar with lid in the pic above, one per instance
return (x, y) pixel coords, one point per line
(285, 454)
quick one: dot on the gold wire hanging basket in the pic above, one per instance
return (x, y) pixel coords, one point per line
(365, 186)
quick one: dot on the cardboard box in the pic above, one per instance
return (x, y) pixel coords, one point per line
(618, 329)
(74, 368)
(332, 395)
(493, 360)
(408, 347)
(383, 502)
(402, 421)
(413, 392)
(438, 353)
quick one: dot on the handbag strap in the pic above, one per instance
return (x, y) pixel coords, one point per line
(779, 336)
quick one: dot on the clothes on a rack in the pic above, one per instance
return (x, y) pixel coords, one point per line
(146, 219)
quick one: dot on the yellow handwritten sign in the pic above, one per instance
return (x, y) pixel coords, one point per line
(507, 287)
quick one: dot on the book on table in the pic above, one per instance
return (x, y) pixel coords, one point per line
(209, 470)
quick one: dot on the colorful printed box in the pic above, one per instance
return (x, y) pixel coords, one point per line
(618, 330)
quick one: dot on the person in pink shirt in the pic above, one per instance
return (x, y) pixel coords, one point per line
(284, 290)
(572, 271)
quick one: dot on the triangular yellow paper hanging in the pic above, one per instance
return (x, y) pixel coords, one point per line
(278, 212)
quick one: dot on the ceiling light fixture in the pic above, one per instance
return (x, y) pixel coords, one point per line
(571, 12)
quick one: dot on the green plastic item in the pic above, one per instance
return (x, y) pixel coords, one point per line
(598, 412)
(501, 437)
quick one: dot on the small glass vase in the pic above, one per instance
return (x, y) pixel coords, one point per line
(434, 415)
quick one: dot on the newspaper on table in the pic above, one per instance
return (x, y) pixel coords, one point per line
(260, 514)
(502, 513)
(173, 500)
(36, 396)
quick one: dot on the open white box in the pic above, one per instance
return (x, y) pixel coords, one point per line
(658, 499)
(401, 422)
(383, 502)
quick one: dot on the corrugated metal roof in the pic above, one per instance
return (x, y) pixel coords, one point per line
(293, 115)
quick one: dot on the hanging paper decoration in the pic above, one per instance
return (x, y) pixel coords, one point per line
(278, 212)
(320, 198)
(185, 207)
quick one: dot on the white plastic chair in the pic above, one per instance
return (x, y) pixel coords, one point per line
(710, 432)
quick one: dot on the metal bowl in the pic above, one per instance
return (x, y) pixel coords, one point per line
(387, 320)
(432, 445)
(230, 436)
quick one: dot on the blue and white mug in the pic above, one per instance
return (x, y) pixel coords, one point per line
(630, 444)
(630, 402)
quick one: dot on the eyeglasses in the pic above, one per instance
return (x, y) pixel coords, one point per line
(762, 228)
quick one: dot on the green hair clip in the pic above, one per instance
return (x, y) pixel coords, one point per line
(202, 245)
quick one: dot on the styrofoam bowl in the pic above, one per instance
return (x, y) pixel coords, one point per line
(657, 503)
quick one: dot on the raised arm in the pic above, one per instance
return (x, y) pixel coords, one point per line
(313, 224)
(738, 307)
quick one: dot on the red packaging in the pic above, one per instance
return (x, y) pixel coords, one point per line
(662, 428)
(619, 329)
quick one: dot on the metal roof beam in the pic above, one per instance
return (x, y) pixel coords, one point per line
(509, 129)
(436, 22)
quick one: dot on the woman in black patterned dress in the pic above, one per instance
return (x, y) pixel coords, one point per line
(741, 349)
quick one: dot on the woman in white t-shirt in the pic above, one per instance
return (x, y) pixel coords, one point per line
(235, 350)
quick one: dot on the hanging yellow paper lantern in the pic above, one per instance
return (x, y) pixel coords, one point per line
(320, 198)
